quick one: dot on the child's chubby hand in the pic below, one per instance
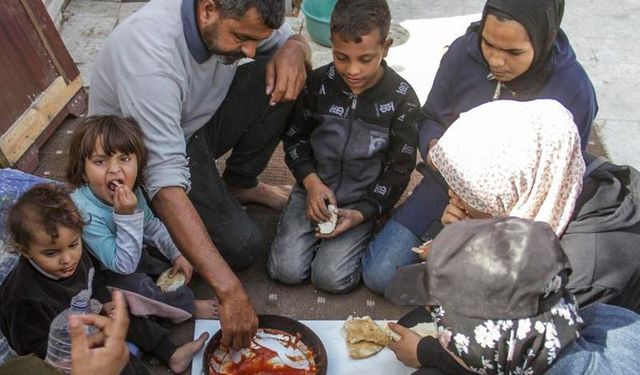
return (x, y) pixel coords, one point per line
(124, 200)
(454, 211)
(423, 250)
(405, 349)
(182, 264)
(347, 219)
(318, 197)
(108, 309)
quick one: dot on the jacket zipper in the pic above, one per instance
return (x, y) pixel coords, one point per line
(354, 103)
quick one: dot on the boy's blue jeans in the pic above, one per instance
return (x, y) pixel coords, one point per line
(609, 344)
(390, 250)
(414, 221)
(296, 254)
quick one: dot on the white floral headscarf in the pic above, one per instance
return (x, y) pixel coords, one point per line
(511, 158)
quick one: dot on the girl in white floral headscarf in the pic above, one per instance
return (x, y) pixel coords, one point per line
(509, 158)
(523, 159)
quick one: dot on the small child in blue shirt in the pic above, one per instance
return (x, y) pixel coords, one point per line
(105, 164)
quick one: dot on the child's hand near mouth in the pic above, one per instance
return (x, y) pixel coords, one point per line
(124, 200)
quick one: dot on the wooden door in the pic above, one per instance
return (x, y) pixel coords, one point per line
(39, 82)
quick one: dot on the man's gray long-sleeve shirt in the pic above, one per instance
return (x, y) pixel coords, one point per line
(156, 69)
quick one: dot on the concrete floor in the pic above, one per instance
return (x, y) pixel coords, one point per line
(602, 33)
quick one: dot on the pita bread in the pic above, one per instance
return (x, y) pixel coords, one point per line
(364, 337)
(394, 336)
(365, 329)
(423, 329)
(328, 226)
(363, 349)
(170, 284)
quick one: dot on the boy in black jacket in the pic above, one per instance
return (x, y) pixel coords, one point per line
(352, 146)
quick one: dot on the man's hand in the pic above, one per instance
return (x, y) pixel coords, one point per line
(432, 144)
(124, 200)
(182, 264)
(105, 352)
(454, 210)
(287, 70)
(237, 318)
(238, 321)
(347, 219)
(318, 194)
(405, 349)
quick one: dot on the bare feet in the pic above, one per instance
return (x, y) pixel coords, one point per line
(269, 195)
(181, 358)
(206, 309)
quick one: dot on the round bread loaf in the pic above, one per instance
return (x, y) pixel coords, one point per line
(170, 284)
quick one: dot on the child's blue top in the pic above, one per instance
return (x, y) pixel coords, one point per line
(116, 240)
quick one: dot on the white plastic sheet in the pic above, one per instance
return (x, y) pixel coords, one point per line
(384, 362)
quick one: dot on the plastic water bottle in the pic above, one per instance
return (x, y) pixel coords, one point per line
(59, 344)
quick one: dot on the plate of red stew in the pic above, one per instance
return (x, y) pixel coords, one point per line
(282, 346)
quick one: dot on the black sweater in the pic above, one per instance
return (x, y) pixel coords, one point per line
(29, 301)
(432, 355)
(434, 360)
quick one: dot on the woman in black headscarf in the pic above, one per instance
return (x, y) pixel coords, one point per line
(517, 52)
(533, 27)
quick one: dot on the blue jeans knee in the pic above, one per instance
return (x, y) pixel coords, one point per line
(389, 250)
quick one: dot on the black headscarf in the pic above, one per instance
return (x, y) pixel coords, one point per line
(541, 19)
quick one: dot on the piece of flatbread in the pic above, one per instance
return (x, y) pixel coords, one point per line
(365, 329)
(170, 284)
(422, 329)
(363, 349)
(328, 226)
(365, 337)
(425, 329)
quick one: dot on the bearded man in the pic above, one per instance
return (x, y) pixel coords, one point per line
(173, 66)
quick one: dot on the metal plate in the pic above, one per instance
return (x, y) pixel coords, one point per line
(285, 324)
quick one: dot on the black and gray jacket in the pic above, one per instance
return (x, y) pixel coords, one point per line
(602, 241)
(363, 147)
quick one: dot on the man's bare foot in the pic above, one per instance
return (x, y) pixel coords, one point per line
(206, 309)
(269, 195)
(181, 358)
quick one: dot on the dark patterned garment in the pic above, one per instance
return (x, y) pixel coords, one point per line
(526, 346)
(363, 147)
